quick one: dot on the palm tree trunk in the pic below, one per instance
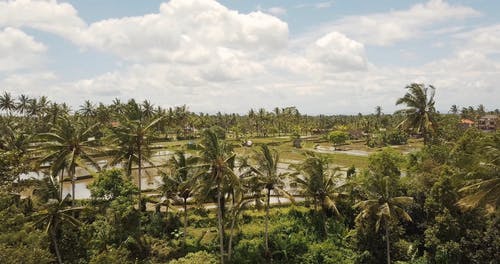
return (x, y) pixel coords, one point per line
(56, 247)
(73, 183)
(230, 246)
(62, 184)
(219, 220)
(387, 242)
(139, 177)
(185, 222)
(267, 221)
(325, 228)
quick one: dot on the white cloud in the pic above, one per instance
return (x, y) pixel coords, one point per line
(200, 53)
(485, 39)
(46, 15)
(186, 31)
(318, 5)
(275, 10)
(388, 28)
(18, 50)
(338, 53)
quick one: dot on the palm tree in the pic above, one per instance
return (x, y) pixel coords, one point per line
(181, 181)
(486, 192)
(454, 109)
(52, 216)
(316, 180)
(67, 146)
(148, 109)
(384, 207)
(131, 142)
(22, 105)
(220, 159)
(272, 180)
(7, 103)
(87, 109)
(419, 116)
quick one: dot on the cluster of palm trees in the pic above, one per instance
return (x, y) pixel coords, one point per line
(124, 134)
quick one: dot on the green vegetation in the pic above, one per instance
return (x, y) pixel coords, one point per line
(171, 186)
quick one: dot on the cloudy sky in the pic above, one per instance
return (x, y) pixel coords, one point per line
(322, 56)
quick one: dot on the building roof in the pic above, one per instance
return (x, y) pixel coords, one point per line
(466, 121)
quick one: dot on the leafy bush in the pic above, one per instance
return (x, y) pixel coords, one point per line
(327, 253)
(197, 258)
(249, 251)
(111, 256)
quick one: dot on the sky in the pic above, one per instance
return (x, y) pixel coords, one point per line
(324, 57)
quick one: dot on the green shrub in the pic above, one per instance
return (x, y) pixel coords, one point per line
(249, 251)
(197, 258)
(327, 253)
(111, 256)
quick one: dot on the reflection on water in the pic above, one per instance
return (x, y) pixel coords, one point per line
(151, 178)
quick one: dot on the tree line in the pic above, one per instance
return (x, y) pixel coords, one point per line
(436, 205)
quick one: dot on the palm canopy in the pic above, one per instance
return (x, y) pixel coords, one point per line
(131, 143)
(181, 181)
(318, 181)
(68, 145)
(267, 170)
(384, 209)
(220, 157)
(419, 114)
(7, 103)
(486, 192)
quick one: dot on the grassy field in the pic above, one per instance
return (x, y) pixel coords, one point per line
(289, 154)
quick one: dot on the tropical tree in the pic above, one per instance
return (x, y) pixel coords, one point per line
(53, 214)
(273, 181)
(381, 199)
(69, 145)
(87, 109)
(131, 142)
(485, 192)
(7, 103)
(315, 179)
(220, 158)
(420, 111)
(181, 181)
(22, 105)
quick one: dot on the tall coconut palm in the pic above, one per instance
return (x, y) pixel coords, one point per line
(53, 214)
(420, 111)
(273, 181)
(7, 103)
(22, 105)
(131, 142)
(384, 207)
(220, 159)
(181, 181)
(88, 109)
(318, 181)
(67, 146)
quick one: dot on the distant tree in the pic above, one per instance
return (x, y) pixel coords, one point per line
(338, 137)
(316, 180)
(419, 116)
(7, 103)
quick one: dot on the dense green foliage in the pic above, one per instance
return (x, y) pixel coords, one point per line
(218, 201)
